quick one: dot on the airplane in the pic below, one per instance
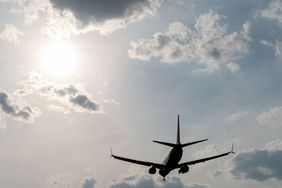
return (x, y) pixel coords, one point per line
(171, 162)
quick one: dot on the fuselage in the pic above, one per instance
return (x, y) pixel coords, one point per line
(171, 160)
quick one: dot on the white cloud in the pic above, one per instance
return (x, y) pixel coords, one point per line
(111, 101)
(208, 44)
(30, 10)
(273, 11)
(274, 145)
(209, 150)
(270, 117)
(10, 33)
(237, 116)
(276, 45)
(57, 108)
(61, 25)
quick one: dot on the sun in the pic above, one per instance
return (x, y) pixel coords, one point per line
(59, 59)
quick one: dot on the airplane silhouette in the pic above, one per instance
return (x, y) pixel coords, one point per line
(172, 160)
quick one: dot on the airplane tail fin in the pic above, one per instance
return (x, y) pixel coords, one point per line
(177, 137)
(178, 131)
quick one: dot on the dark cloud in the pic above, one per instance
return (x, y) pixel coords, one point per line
(102, 10)
(259, 164)
(70, 95)
(74, 17)
(140, 183)
(84, 102)
(88, 183)
(16, 109)
(173, 182)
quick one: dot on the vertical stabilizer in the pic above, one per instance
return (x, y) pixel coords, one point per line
(178, 131)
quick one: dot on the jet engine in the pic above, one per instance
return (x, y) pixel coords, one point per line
(183, 169)
(152, 170)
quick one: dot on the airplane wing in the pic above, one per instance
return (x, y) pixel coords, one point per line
(205, 159)
(144, 163)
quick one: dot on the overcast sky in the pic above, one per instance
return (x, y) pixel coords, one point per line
(79, 77)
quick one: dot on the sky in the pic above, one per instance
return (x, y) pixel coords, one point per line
(80, 77)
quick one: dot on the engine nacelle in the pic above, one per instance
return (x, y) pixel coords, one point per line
(152, 170)
(183, 169)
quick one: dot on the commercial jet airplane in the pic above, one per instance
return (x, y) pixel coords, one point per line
(172, 160)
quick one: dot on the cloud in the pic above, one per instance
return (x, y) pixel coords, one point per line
(270, 117)
(276, 45)
(56, 108)
(216, 173)
(59, 180)
(209, 150)
(68, 18)
(62, 25)
(17, 108)
(149, 182)
(84, 102)
(259, 164)
(197, 186)
(88, 183)
(273, 11)
(145, 181)
(237, 116)
(10, 33)
(208, 44)
(88, 11)
(274, 145)
(30, 10)
(72, 96)
(111, 101)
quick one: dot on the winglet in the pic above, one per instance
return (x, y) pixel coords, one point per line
(232, 149)
(111, 153)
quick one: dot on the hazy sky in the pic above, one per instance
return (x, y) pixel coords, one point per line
(79, 77)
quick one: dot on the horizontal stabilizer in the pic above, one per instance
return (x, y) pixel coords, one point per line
(165, 143)
(191, 143)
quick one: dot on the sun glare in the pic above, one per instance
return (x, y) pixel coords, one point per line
(59, 59)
